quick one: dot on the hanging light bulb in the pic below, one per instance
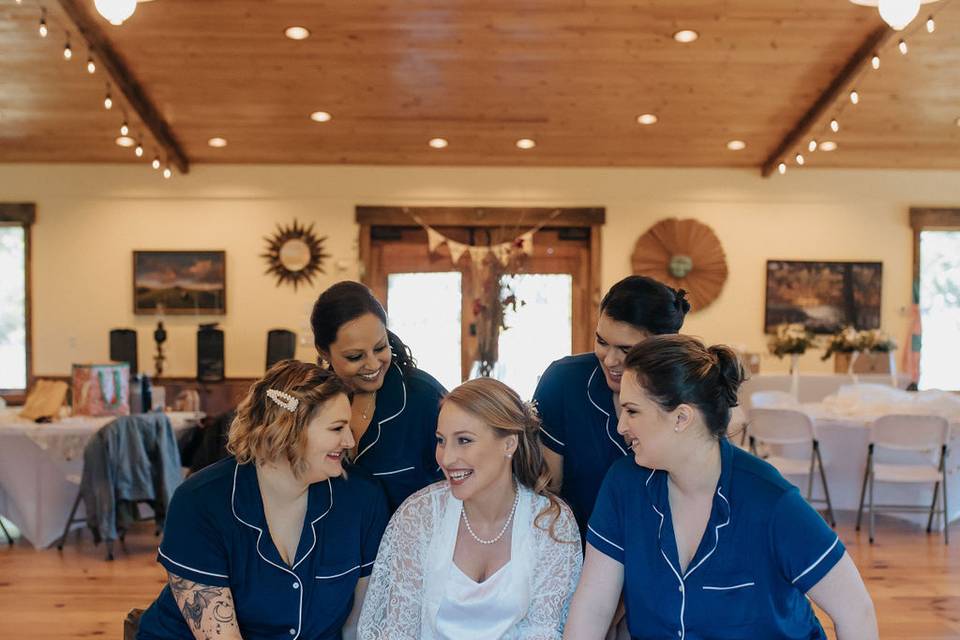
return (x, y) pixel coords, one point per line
(782, 168)
(854, 97)
(902, 45)
(156, 162)
(124, 129)
(800, 159)
(875, 61)
(91, 67)
(107, 100)
(139, 150)
(899, 13)
(67, 51)
(812, 146)
(835, 125)
(43, 24)
(931, 25)
(116, 11)
(167, 173)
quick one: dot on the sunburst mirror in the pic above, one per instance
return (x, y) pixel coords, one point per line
(295, 254)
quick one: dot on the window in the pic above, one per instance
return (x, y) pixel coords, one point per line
(940, 309)
(936, 277)
(15, 221)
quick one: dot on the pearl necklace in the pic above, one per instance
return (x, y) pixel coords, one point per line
(466, 521)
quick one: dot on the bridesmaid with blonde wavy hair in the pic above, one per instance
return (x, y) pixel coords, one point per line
(488, 552)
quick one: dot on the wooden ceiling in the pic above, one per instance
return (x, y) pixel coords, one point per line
(571, 74)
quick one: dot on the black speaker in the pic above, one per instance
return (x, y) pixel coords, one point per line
(209, 353)
(281, 345)
(123, 348)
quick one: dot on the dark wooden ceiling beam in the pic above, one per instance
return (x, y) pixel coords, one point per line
(857, 62)
(126, 82)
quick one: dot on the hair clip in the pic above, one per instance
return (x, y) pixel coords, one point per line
(531, 406)
(283, 399)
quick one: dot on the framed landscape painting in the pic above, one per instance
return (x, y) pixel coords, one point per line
(823, 296)
(180, 282)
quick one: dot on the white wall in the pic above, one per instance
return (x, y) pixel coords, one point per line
(90, 218)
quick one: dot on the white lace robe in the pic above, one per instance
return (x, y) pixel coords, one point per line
(416, 554)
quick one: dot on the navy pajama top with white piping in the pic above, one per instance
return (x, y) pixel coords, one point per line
(216, 534)
(579, 423)
(763, 548)
(399, 446)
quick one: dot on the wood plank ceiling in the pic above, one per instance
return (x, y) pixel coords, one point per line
(571, 74)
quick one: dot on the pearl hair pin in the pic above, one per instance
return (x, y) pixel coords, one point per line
(283, 399)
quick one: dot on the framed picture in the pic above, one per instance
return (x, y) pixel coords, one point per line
(823, 296)
(180, 282)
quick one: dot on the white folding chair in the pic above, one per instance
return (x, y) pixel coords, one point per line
(789, 427)
(908, 433)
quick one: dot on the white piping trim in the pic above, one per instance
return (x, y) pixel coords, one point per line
(597, 533)
(314, 531)
(650, 477)
(716, 533)
(390, 473)
(233, 507)
(206, 573)
(403, 385)
(542, 430)
(736, 586)
(683, 589)
(607, 425)
(819, 560)
(337, 575)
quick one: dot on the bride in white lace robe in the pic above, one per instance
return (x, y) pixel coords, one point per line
(414, 590)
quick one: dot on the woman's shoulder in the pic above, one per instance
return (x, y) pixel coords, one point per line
(419, 382)
(425, 501)
(577, 364)
(559, 527)
(210, 482)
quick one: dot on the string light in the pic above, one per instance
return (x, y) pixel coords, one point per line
(67, 51)
(167, 173)
(931, 25)
(43, 24)
(139, 150)
(854, 97)
(107, 100)
(812, 146)
(875, 61)
(835, 125)
(91, 67)
(124, 129)
(800, 159)
(156, 162)
(782, 168)
(902, 45)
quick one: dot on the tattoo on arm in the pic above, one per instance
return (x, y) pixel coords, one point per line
(208, 611)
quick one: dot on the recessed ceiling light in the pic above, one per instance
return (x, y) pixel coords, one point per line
(438, 143)
(828, 145)
(297, 33)
(526, 143)
(320, 116)
(217, 142)
(686, 36)
(647, 118)
(736, 145)
(126, 141)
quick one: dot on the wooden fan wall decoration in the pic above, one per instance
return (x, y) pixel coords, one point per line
(683, 254)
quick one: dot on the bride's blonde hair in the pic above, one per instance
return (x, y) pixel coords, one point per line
(501, 408)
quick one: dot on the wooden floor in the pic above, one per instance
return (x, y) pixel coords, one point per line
(914, 580)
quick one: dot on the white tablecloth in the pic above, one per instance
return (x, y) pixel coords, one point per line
(842, 422)
(40, 467)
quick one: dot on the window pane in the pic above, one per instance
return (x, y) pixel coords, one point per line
(940, 309)
(540, 330)
(13, 335)
(425, 313)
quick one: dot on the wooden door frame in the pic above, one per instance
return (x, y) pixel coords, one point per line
(524, 218)
(929, 219)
